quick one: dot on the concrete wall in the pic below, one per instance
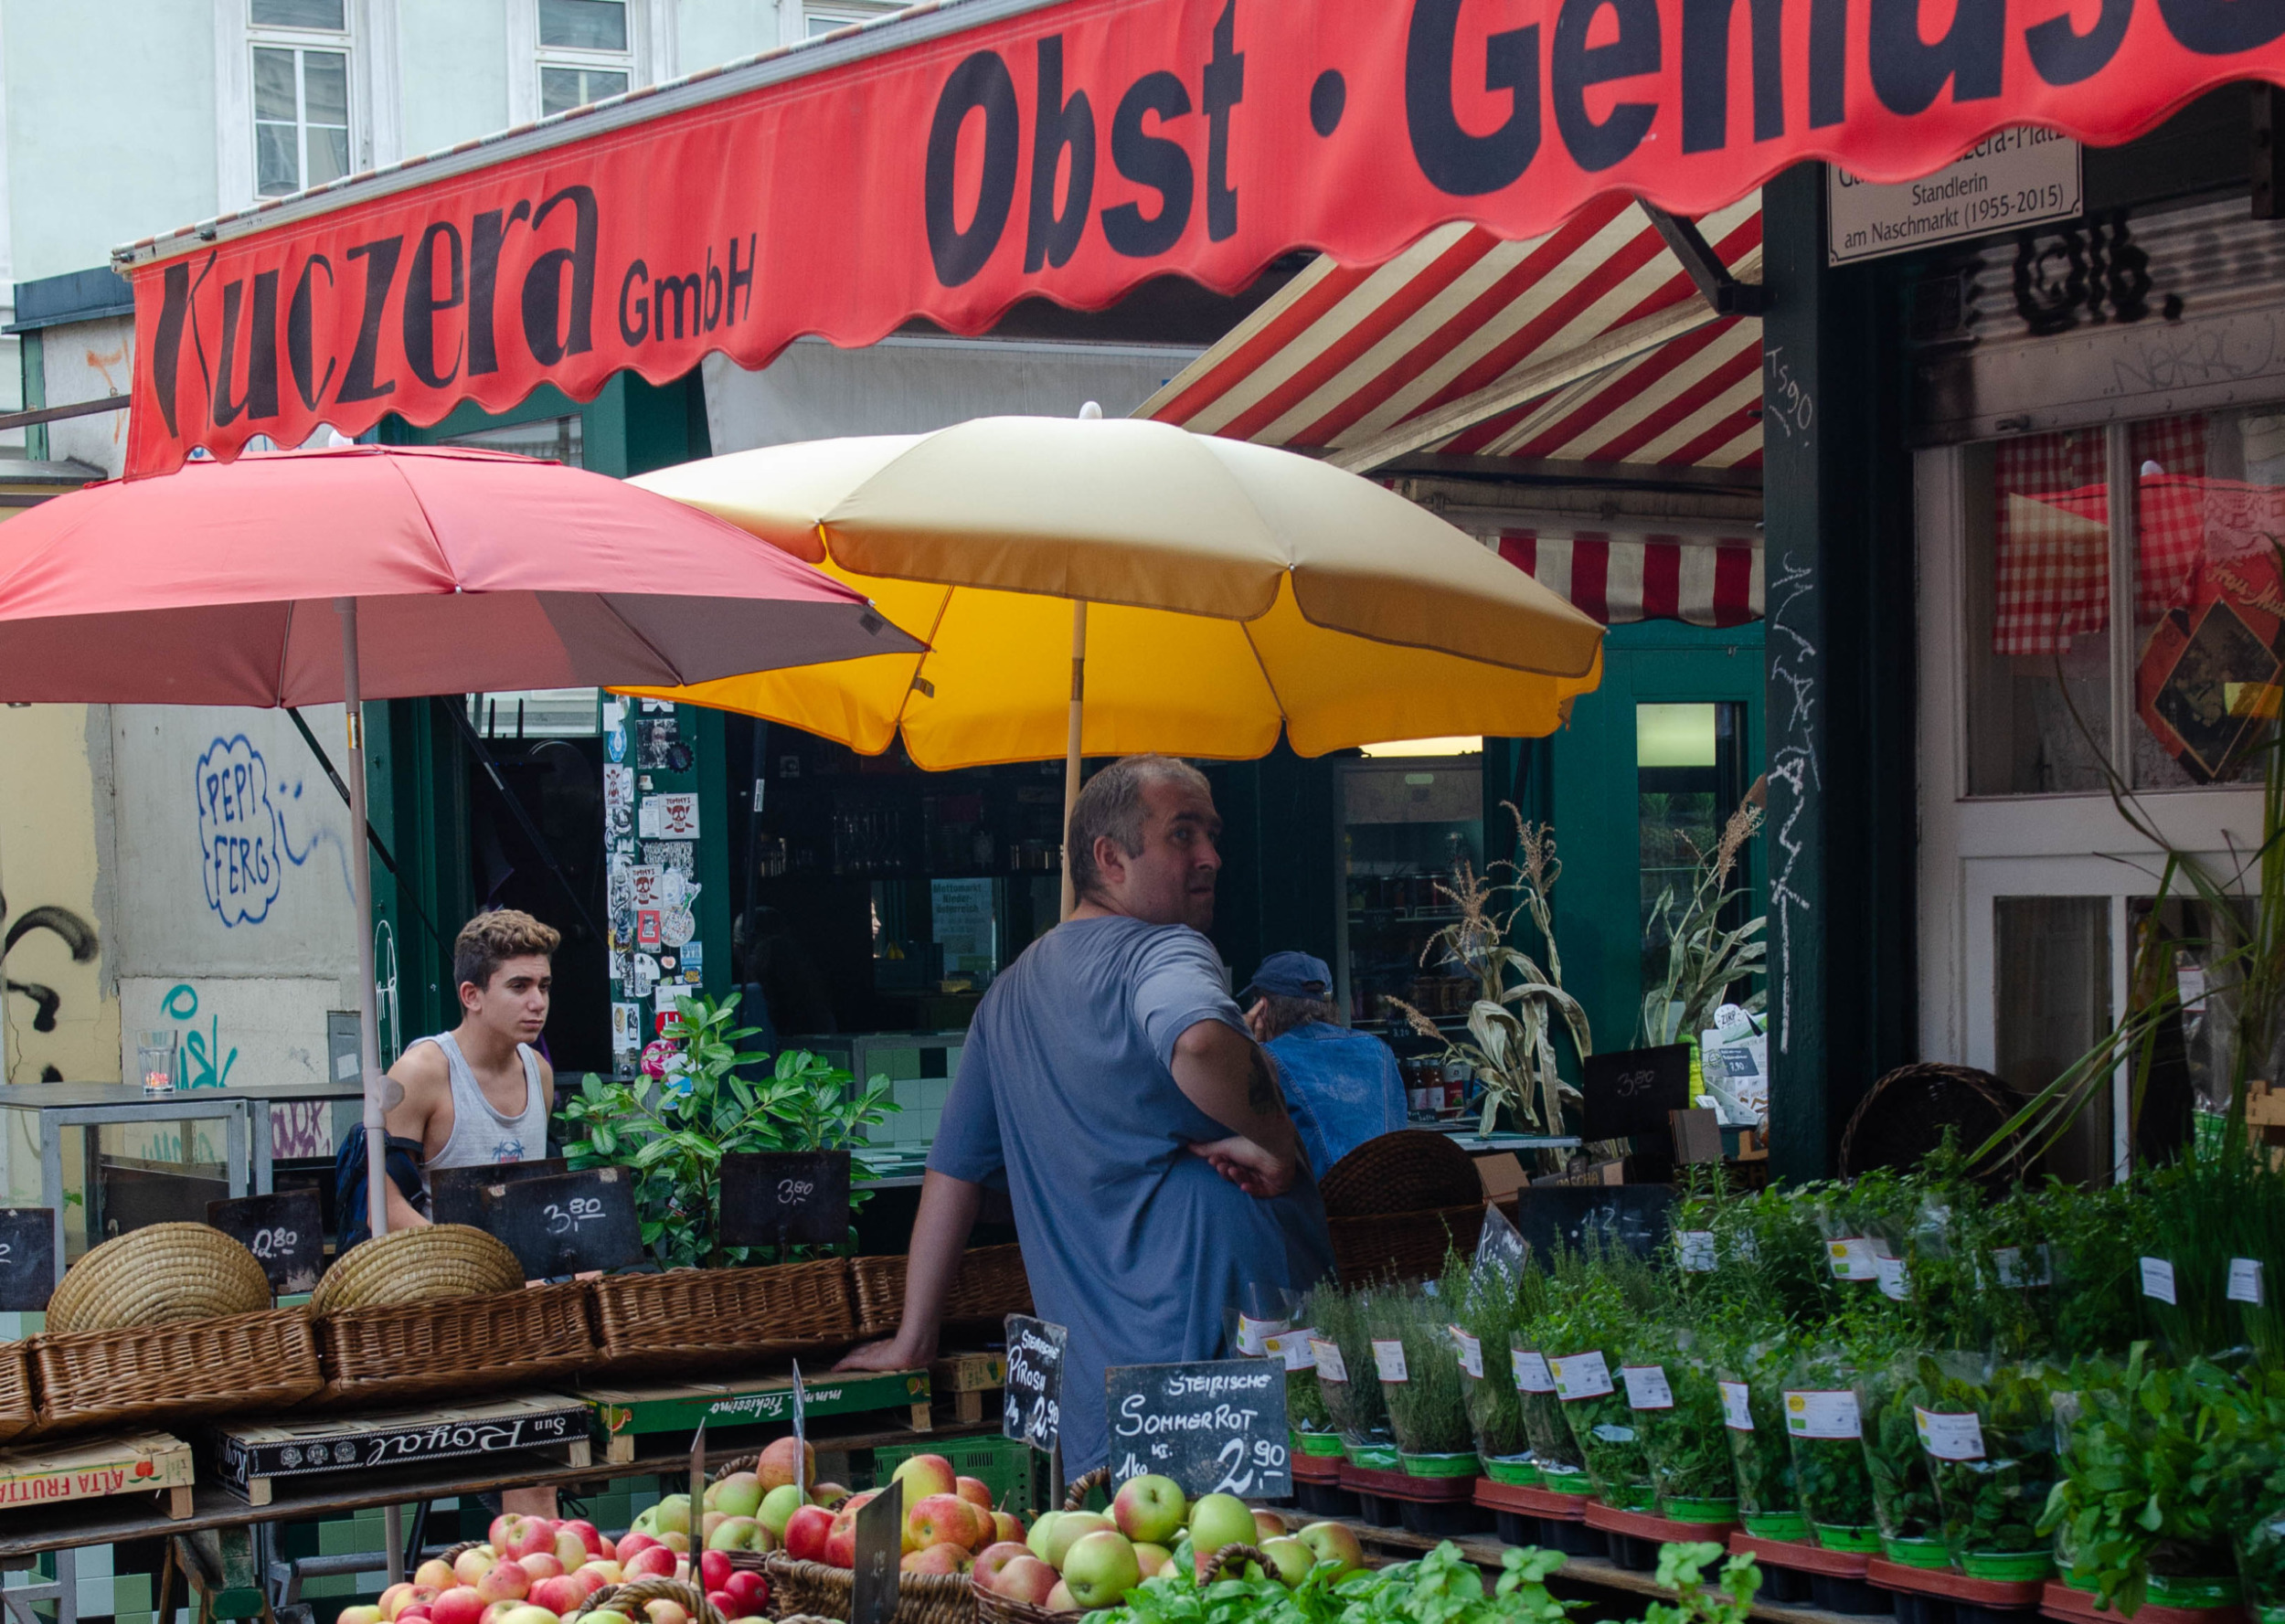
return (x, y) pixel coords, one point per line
(86, 361)
(456, 71)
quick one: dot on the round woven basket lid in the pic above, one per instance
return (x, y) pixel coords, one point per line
(1409, 1170)
(156, 1275)
(1905, 1114)
(423, 1265)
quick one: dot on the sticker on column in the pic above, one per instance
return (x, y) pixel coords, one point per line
(1821, 1413)
(1647, 1388)
(1736, 1405)
(2158, 1278)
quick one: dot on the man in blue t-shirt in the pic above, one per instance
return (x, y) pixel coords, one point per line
(1110, 1078)
(1343, 1088)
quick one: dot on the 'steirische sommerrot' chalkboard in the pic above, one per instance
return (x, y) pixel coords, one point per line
(567, 1223)
(456, 1194)
(1628, 1093)
(285, 1232)
(1034, 1390)
(27, 1258)
(1216, 1427)
(778, 1198)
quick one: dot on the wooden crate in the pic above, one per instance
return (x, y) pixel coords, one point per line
(250, 1457)
(88, 1468)
(621, 1414)
(965, 1379)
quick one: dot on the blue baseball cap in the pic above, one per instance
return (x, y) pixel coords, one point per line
(1293, 975)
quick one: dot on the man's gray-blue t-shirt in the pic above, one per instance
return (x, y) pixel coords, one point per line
(1133, 1243)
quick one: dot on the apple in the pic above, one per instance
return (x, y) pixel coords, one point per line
(1153, 1559)
(409, 1614)
(749, 1591)
(841, 1540)
(719, 1600)
(541, 1565)
(942, 1558)
(1148, 1508)
(1042, 1529)
(805, 1533)
(527, 1613)
(564, 1595)
(652, 1562)
(589, 1536)
(787, 1460)
(993, 1559)
(504, 1580)
(828, 1494)
(671, 1514)
(435, 1574)
(402, 1595)
(1069, 1529)
(633, 1541)
(1027, 1579)
(459, 1605)
(736, 1495)
(570, 1549)
(857, 1502)
(776, 1507)
(937, 1519)
(738, 1533)
(923, 1475)
(1290, 1558)
(1269, 1524)
(472, 1564)
(659, 1610)
(1333, 1542)
(1060, 1600)
(513, 1534)
(600, 1572)
(1100, 1569)
(714, 1569)
(1220, 1519)
(1007, 1525)
(974, 1491)
(675, 1540)
(362, 1615)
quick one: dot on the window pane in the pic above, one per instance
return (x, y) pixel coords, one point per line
(277, 160)
(2038, 659)
(2053, 1003)
(274, 86)
(299, 13)
(329, 154)
(1689, 778)
(563, 89)
(584, 25)
(326, 85)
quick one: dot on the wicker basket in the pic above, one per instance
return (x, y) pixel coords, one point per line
(16, 1414)
(148, 1374)
(1409, 1170)
(991, 1285)
(429, 1264)
(1402, 1246)
(1904, 1115)
(523, 1338)
(160, 1273)
(635, 1592)
(815, 1588)
(709, 1318)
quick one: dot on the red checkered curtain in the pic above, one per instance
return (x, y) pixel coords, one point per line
(2052, 552)
(2171, 499)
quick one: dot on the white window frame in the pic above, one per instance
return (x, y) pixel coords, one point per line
(1974, 850)
(840, 13)
(648, 59)
(375, 123)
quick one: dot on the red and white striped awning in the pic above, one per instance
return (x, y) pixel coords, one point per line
(1619, 579)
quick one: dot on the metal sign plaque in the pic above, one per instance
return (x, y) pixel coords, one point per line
(2017, 177)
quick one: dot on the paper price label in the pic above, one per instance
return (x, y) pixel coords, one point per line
(1470, 1353)
(1736, 1406)
(1850, 1257)
(1895, 1279)
(1646, 1387)
(1532, 1374)
(1253, 1334)
(1949, 1435)
(1328, 1357)
(1389, 1357)
(2158, 1278)
(1821, 1413)
(1582, 1375)
(2244, 1281)
(1293, 1347)
(1695, 1248)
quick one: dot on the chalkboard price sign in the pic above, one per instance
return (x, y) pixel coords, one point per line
(456, 1195)
(1499, 1249)
(1215, 1427)
(566, 1224)
(880, 1543)
(1630, 1093)
(285, 1232)
(776, 1198)
(1033, 1391)
(27, 1258)
(1634, 1215)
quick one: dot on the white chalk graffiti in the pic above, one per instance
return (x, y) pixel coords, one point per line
(1793, 764)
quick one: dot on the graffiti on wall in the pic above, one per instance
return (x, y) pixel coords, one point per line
(199, 1062)
(76, 934)
(245, 835)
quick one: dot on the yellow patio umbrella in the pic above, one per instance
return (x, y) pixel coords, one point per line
(1212, 591)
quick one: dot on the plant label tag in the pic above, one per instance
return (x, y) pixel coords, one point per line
(1895, 1279)
(2158, 1278)
(880, 1543)
(1328, 1357)
(1292, 1348)
(1034, 1385)
(1736, 1406)
(2244, 1281)
(1950, 1435)
(1389, 1357)
(1470, 1353)
(1850, 1257)
(27, 1258)
(1582, 1375)
(1532, 1374)
(1822, 1413)
(1646, 1387)
(1695, 1248)
(1253, 1334)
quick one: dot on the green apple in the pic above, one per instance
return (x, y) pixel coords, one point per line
(1220, 1519)
(673, 1514)
(1069, 1529)
(1100, 1569)
(1290, 1558)
(779, 1505)
(1041, 1529)
(1148, 1508)
(736, 1495)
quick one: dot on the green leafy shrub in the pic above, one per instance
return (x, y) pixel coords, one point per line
(1992, 1503)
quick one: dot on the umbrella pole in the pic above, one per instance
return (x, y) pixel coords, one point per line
(361, 882)
(1071, 747)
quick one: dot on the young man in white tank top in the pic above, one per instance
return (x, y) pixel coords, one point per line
(480, 1093)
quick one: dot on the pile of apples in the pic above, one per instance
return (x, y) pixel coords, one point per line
(1076, 1561)
(949, 1521)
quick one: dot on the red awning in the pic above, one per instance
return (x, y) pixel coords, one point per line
(959, 157)
(1619, 579)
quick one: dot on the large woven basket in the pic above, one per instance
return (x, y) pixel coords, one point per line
(159, 1273)
(1409, 1170)
(146, 1374)
(16, 1414)
(710, 1317)
(431, 1263)
(1402, 1246)
(1904, 1115)
(522, 1338)
(635, 1592)
(813, 1588)
(991, 1285)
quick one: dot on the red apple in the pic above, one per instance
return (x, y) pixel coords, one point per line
(563, 1595)
(719, 1600)
(512, 1533)
(1027, 1580)
(570, 1549)
(714, 1569)
(1007, 1525)
(805, 1533)
(589, 1536)
(780, 1463)
(541, 1564)
(841, 1540)
(504, 1580)
(402, 1595)
(750, 1591)
(923, 1475)
(973, 1490)
(936, 1558)
(659, 1610)
(652, 1561)
(939, 1519)
(459, 1605)
(473, 1562)
(412, 1615)
(435, 1574)
(991, 1559)
(631, 1542)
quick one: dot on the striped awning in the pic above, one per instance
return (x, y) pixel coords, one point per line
(1619, 579)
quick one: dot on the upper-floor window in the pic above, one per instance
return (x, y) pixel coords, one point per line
(586, 53)
(825, 19)
(300, 82)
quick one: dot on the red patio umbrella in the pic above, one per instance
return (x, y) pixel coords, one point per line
(304, 577)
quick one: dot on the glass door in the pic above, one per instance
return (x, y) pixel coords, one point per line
(1405, 828)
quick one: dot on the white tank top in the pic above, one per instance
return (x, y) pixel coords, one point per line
(480, 1136)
